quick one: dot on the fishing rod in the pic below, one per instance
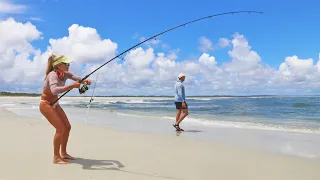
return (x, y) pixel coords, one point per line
(85, 87)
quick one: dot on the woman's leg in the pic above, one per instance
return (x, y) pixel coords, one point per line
(66, 133)
(54, 119)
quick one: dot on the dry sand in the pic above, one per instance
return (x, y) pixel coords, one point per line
(27, 148)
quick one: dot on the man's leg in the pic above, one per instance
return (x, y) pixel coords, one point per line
(178, 113)
(185, 114)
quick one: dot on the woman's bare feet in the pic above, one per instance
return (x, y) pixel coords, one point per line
(59, 160)
(67, 156)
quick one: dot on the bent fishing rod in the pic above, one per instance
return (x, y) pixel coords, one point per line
(84, 87)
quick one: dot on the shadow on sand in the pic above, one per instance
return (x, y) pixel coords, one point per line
(187, 131)
(192, 131)
(93, 164)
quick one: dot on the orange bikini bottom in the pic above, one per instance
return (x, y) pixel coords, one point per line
(48, 103)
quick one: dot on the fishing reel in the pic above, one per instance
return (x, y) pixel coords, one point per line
(83, 89)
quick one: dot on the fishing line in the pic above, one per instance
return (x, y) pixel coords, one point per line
(91, 99)
(84, 87)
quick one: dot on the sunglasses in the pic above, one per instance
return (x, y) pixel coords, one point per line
(67, 64)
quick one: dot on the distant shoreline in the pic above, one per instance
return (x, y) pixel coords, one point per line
(11, 94)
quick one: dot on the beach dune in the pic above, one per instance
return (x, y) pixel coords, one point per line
(102, 153)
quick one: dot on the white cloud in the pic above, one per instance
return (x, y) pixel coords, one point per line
(243, 58)
(145, 71)
(205, 44)
(16, 34)
(224, 42)
(163, 67)
(298, 70)
(190, 67)
(139, 59)
(7, 7)
(15, 49)
(173, 54)
(296, 65)
(84, 45)
(207, 61)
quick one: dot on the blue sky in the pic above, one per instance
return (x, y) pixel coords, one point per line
(286, 29)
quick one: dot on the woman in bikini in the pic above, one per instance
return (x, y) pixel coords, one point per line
(57, 73)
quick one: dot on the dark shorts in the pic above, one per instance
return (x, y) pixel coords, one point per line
(179, 105)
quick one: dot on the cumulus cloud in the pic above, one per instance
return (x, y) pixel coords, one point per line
(207, 61)
(16, 34)
(244, 59)
(15, 48)
(84, 44)
(139, 58)
(298, 70)
(146, 71)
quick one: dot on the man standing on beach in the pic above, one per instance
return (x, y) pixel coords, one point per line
(180, 102)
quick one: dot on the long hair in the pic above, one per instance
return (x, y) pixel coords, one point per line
(49, 66)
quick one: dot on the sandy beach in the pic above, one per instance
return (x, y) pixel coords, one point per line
(102, 153)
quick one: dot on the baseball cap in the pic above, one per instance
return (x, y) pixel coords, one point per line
(181, 75)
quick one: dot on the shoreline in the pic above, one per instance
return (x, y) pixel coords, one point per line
(108, 153)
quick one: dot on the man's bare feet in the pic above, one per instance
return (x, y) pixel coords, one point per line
(59, 160)
(67, 156)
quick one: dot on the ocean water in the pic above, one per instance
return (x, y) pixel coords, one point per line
(287, 125)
